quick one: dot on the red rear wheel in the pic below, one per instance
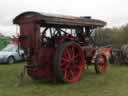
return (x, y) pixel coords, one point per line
(68, 62)
(101, 64)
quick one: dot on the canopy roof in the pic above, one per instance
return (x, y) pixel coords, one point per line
(53, 19)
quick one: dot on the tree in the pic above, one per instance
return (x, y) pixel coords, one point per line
(114, 36)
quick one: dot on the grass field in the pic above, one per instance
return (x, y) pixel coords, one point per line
(113, 83)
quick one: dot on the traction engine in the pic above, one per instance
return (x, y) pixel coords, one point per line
(59, 47)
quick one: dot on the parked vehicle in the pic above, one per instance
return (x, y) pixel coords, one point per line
(10, 54)
(120, 55)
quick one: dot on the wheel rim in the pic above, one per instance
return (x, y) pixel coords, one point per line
(72, 63)
(11, 60)
(101, 64)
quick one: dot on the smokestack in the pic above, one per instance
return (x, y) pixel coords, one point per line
(86, 17)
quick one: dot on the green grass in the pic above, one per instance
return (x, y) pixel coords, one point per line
(113, 83)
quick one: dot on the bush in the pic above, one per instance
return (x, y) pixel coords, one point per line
(4, 41)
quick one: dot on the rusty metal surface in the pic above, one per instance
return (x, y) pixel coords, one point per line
(57, 19)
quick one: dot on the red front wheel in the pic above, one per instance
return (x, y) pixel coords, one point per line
(68, 62)
(101, 64)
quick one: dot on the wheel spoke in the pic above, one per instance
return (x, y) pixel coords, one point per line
(101, 61)
(67, 53)
(71, 72)
(101, 65)
(76, 67)
(65, 60)
(78, 55)
(72, 51)
(64, 66)
(71, 63)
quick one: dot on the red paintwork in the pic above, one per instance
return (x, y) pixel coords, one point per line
(102, 65)
(106, 52)
(40, 49)
(72, 64)
(44, 64)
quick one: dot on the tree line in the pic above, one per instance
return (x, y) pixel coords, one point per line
(112, 36)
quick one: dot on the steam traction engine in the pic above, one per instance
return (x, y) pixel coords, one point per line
(58, 47)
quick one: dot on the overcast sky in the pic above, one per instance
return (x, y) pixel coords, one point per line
(114, 12)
